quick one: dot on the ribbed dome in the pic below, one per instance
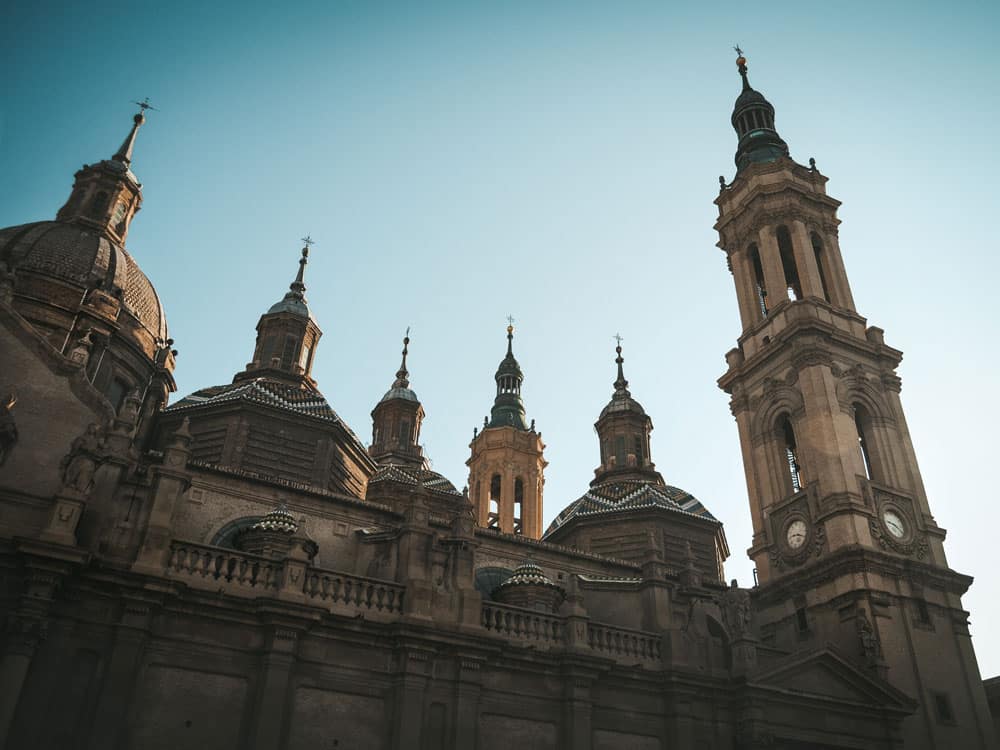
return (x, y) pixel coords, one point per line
(84, 258)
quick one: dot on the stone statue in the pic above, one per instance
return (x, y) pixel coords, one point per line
(80, 464)
(870, 646)
(8, 427)
(737, 609)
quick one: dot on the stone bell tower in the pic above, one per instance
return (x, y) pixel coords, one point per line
(846, 548)
(506, 468)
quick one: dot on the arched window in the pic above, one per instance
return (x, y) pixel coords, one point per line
(788, 263)
(404, 432)
(99, 204)
(266, 351)
(518, 505)
(493, 519)
(620, 451)
(638, 450)
(821, 262)
(288, 352)
(863, 423)
(790, 453)
(758, 277)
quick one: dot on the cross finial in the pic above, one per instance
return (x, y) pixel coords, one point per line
(738, 50)
(309, 241)
(144, 105)
(510, 320)
(618, 337)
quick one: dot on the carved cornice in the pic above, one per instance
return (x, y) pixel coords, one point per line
(855, 560)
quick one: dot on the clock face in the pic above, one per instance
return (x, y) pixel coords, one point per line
(895, 523)
(796, 533)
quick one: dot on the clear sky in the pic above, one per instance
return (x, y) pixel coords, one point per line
(555, 161)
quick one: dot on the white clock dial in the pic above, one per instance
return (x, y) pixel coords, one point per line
(895, 523)
(796, 533)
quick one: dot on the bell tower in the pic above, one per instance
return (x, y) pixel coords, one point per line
(846, 548)
(506, 468)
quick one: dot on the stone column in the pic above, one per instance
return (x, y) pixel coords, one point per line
(805, 261)
(840, 281)
(277, 665)
(24, 633)
(774, 272)
(171, 479)
(118, 688)
(746, 288)
(468, 688)
(411, 687)
(577, 732)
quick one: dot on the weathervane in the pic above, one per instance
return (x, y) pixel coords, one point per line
(309, 241)
(144, 105)
(738, 50)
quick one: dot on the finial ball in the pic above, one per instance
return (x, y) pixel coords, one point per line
(741, 61)
(510, 329)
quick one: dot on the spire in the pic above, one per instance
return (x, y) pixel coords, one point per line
(508, 409)
(294, 300)
(124, 153)
(623, 433)
(753, 120)
(287, 335)
(402, 376)
(621, 384)
(106, 195)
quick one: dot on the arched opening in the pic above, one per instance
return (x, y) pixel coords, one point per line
(863, 423)
(493, 517)
(518, 505)
(404, 432)
(821, 264)
(758, 276)
(790, 454)
(288, 352)
(620, 451)
(788, 263)
(99, 204)
(639, 454)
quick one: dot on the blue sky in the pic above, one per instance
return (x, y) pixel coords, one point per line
(555, 161)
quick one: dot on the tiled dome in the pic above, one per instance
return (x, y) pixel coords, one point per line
(82, 257)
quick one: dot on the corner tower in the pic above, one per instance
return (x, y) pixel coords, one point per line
(506, 468)
(846, 548)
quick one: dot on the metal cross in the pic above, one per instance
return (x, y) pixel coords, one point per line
(144, 105)
(617, 337)
(308, 240)
(738, 50)
(510, 319)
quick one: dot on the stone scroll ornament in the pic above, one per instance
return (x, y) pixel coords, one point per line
(8, 427)
(80, 464)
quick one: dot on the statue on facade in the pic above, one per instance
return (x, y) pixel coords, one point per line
(8, 427)
(870, 646)
(737, 610)
(80, 464)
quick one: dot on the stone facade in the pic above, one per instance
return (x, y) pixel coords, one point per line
(239, 570)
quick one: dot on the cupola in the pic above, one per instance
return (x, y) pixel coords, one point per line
(396, 421)
(753, 120)
(287, 335)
